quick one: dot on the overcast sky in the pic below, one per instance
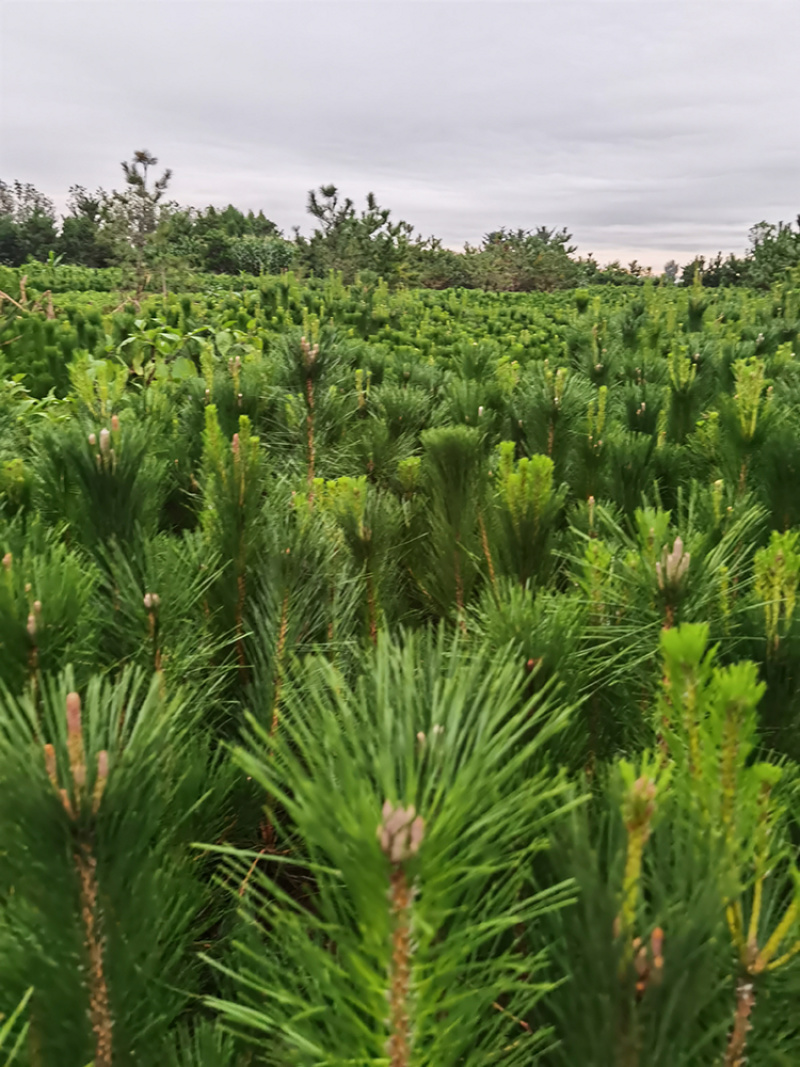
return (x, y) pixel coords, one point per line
(650, 129)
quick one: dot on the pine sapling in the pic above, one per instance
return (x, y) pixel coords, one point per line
(777, 574)
(233, 489)
(670, 572)
(750, 406)
(524, 507)
(310, 353)
(635, 962)
(710, 721)
(77, 801)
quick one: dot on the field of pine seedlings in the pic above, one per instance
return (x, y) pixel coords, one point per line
(399, 678)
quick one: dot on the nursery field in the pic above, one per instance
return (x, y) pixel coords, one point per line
(398, 677)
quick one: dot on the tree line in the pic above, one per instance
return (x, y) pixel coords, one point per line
(140, 229)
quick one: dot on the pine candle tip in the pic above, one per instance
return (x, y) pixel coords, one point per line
(417, 833)
(105, 440)
(92, 439)
(37, 606)
(7, 560)
(50, 763)
(115, 423)
(73, 713)
(644, 787)
(31, 626)
(401, 832)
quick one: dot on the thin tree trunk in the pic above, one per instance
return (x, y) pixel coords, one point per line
(399, 1047)
(99, 1009)
(373, 619)
(737, 1045)
(310, 436)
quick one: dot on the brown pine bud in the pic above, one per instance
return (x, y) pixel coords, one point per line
(50, 764)
(401, 832)
(73, 713)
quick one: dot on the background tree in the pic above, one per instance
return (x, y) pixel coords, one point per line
(524, 260)
(717, 271)
(27, 224)
(135, 213)
(773, 250)
(223, 241)
(82, 238)
(138, 228)
(348, 242)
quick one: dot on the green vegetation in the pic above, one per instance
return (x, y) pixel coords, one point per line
(155, 243)
(397, 676)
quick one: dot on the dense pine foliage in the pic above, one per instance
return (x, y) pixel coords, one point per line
(398, 677)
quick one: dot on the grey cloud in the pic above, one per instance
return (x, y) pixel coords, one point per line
(650, 129)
